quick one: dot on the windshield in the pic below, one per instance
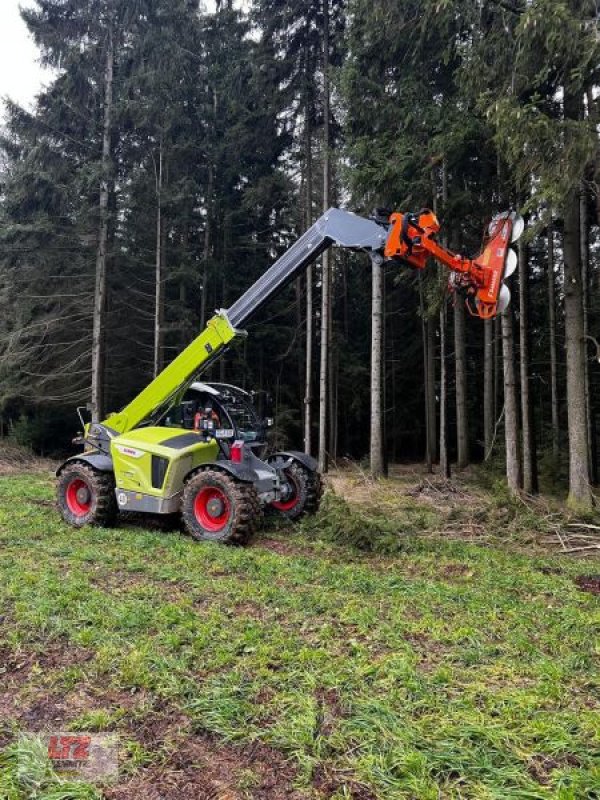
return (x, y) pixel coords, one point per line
(243, 416)
(232, 408)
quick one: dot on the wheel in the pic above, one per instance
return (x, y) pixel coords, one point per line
(304, 489)
(218, 508)
(86, 496)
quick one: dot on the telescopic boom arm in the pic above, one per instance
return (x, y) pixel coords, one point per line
(406, 238)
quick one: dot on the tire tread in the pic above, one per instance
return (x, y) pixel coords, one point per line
(243, 497)
(102, 485)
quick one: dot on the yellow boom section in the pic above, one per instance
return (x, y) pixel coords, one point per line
(205, 348)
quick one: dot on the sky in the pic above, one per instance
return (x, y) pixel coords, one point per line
(21, 76)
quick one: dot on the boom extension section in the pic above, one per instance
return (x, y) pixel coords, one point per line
(335, 226)
(409, 238)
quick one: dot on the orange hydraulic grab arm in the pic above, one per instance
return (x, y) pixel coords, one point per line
(411, 238)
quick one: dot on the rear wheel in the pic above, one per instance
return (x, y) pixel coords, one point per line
(302, 493)
(216, 507)
(86, 496)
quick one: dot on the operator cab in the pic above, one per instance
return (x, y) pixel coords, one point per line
(228, 407)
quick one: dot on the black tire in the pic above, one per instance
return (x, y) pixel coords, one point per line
(306, 498)
(234, 514)
(85, 496)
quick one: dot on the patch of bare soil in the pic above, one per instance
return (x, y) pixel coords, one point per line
(17, 665)
(30, 700)
(330, 783)
(588, 583)
(456, 571)
(430, 652)
(331, 710)
(540, 767)
(122, 580)
(198, 767)
(551, 571)
(36, 708)
(282, 548)
(249, 609)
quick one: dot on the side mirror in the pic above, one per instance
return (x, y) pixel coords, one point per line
(269, 422)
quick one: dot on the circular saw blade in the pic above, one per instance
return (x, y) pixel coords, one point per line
(518, 227)
(511, 262)
(503, 299)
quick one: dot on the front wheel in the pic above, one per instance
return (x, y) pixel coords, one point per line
(302, 491)
(216, 507)
(85, 496)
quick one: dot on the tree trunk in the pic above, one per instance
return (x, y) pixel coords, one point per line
(207, 246)
(333, 400)
(585, 265)
(444, 459)
(377, 464)
(226, 240)
(579, 485)
(552, 336)
(324, 363)
(498, 379)
(429, 432)
(100, 283)
(511, 417)
(331, 376)
(431, 409)
(580, 493)
(530, 481)
(308, 376)
(182, 320)
(460, 360)
(308, 221)
(159, 299)
(325, 282)
(488, 387)
(430, 348)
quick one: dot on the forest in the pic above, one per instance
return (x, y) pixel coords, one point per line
(178, 151)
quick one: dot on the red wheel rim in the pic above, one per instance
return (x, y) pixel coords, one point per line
(212, 508)
(79, 497)
(292, 502)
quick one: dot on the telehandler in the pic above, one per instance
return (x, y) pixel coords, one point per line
(197, 450)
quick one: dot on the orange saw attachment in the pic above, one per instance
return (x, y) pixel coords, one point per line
(496, 262)
(411, 239)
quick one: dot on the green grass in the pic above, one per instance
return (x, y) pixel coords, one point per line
(444, 670)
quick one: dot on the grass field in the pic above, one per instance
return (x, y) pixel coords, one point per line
(296, 667)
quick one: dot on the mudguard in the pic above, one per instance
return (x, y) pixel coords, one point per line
(302, 458)
(99, 461)
(239, 471)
